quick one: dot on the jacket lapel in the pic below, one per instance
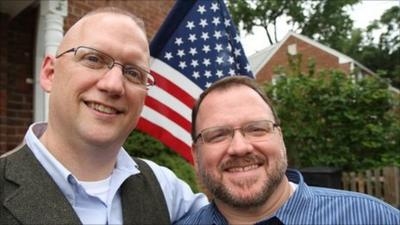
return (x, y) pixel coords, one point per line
(36, 199)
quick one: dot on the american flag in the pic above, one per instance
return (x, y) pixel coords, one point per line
(196, 45)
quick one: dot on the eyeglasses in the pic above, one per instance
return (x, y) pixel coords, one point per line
(101, 62)
(252, 131)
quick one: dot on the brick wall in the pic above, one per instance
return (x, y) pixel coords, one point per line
(16, 59)
(152, 12)
(323, 59)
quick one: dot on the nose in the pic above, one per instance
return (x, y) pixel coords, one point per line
(239, 145)
(112, 82)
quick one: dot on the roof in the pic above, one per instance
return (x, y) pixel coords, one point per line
(259, 59)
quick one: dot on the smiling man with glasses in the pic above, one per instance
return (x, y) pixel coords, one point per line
(73, 169)
(240, 158)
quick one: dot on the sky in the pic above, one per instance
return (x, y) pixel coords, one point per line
(362, 14)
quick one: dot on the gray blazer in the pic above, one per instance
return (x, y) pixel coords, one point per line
(28, 195)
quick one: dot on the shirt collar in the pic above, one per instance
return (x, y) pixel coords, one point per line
(125, 165)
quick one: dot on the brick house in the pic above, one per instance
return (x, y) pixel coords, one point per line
(264, 62)
(29, 29)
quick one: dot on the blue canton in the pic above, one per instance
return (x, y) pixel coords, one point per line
(205, 46)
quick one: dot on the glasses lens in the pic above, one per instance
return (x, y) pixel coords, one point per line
(135, 75)
(216, 134)
(92, 58)
(258, 130)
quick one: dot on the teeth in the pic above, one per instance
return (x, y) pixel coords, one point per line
(242, 169)
(102, 108)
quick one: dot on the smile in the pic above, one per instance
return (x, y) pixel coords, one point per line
(243, 169)
(101, 108)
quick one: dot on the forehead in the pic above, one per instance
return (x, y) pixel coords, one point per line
(233, 106)
(115, 34)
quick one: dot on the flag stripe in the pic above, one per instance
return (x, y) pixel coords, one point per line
(166, 137)
(167, 124)
(170, 76)
(171, 101)
(169, 113)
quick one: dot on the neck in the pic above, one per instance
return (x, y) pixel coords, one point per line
(252, 215)
(84, 161)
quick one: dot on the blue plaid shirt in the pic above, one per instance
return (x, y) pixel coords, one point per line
(315, 205)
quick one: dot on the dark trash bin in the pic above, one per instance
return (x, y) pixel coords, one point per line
(323, 177)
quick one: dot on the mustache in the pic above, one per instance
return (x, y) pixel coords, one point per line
(243, 161)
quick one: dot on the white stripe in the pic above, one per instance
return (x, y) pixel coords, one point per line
(164, 122)
(170, 101)
(175, 77)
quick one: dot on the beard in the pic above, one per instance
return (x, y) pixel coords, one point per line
(225, 194)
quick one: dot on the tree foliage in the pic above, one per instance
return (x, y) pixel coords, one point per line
(142, 145)
(325, 21)
(330, 120)
(382, 56)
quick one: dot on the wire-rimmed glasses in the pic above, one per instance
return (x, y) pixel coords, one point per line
(102, 62)
(253, 131)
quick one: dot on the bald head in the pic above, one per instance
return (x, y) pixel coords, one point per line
(85, 22)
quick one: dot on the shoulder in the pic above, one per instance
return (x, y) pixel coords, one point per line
(180, 199)
(206, 215)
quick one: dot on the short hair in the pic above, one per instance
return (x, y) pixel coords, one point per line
(225, 84)
(115, 10)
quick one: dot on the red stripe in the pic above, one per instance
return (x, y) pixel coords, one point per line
(173, 89)
(168, 112)
(167, 138)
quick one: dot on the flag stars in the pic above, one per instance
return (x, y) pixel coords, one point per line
(206, 62)
(194, 63)
(218, 47)
(181, 53)
(201, 9)
(217, 34)
(204, 36)
(190, 25)
(193, 51)
(230, 60)
(207, 74)
(192, 37)
(227, 22)
(219, 73)
(214, 6)
(231, 72)
(208, 84)
(178, 41)
(237, 38)
(206, 48)
(237, 52)
(168, 55)
(182, 65)
(203, 23)
(196, 74)
(248, 68)
(215, 21)
(219, 60)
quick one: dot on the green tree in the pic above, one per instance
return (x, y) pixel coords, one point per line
(325, 21)
(142, 145)
(382, 56)
(329, 120)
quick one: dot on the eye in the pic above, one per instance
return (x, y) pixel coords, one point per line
(216, 135)
(93, 60)
(134, 75)
(257, 129)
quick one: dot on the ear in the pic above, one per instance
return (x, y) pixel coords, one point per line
(47, 73)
